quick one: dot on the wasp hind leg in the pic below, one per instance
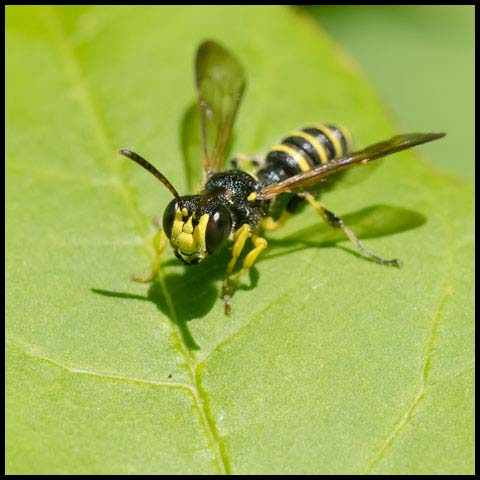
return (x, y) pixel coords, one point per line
(159, 244)
(244, 162)
(337, 222)
(241, 236)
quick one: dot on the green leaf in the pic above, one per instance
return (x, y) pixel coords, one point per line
(329, 364)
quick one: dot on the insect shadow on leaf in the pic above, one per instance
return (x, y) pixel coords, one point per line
(191, 294)
(370, 222)
(184, 295)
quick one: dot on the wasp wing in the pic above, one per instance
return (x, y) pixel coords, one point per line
(307, 180)
(220, 85)
(350, 177)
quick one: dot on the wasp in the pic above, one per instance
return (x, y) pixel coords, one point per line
(236, 205)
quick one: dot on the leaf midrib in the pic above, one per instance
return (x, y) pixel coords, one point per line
(88, 104)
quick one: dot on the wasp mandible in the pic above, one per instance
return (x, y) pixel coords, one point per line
(236, 205)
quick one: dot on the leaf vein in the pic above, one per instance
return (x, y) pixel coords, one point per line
(90, 373)
(240, 330)
(392, 437)
(92, 112)
(272, 303)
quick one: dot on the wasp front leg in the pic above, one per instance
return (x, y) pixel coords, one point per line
(337, 222)
(159, 243)
(260, 244)
(241, 236)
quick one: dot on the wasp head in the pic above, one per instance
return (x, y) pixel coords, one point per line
(196, 224)
(194, 228)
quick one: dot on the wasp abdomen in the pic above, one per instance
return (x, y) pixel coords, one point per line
(303, 150)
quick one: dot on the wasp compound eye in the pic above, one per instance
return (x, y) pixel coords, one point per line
(169, 217)
(218, 228)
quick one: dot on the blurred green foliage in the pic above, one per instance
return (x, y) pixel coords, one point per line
(421, 60)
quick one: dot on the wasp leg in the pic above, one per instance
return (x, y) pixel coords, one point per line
(271, 225)
(241, 161)
(241, 236)
(336, 222)
(259, 245)
(159, 244)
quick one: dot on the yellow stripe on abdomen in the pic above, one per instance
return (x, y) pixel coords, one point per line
(347, 136)
(295, 154)
(333, 139)
(319, 148)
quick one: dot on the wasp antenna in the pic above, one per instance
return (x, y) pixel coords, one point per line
(148, 166)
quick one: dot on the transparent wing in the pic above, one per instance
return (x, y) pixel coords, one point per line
(220, 85)
(308, 180)
(350, 177)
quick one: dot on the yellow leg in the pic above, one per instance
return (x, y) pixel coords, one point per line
(336, 222)
(246, 163)
(259, 245)
(270, 225)
(159, 244)
(240, 238)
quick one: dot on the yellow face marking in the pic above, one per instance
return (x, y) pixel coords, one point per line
(185, 243)
(187, 226)
(200, 232)
(335, 141)
(177, 228)
(252, 196)
(295, 154)
(187, 238)
(319, 148)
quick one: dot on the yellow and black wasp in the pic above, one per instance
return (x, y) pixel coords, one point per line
(236, 205)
